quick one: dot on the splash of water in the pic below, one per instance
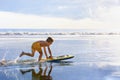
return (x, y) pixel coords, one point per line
(3, 59)
(15, 61)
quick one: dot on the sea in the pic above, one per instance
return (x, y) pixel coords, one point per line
(96, 57)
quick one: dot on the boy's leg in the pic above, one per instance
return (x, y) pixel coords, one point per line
(28, 54)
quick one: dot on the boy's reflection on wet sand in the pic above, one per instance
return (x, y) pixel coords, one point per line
(43, 74)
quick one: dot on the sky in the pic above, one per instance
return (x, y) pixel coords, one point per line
(67, 14)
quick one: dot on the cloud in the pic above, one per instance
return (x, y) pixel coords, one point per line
(17, 20)
(62, 7)
(73, 9)
(108, 16)
(100, 18)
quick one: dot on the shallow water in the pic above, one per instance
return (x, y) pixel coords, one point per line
(96, 58)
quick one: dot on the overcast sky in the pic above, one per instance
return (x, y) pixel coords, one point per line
(76, 14)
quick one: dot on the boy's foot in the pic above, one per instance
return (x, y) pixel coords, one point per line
(22, 71)
(21, 54)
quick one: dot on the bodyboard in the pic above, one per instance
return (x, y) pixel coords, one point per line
(58, 58)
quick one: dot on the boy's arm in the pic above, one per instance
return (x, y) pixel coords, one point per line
(50, 51)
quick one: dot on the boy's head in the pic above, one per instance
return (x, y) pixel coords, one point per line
(49, 39)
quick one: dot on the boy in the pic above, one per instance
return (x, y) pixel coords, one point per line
(37, 46)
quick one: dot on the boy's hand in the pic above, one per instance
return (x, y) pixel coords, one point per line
(50, 57)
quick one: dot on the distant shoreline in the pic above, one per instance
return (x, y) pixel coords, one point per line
(34, 33)
(57, 33)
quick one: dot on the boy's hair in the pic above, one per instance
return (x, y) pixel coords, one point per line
(49, 39)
